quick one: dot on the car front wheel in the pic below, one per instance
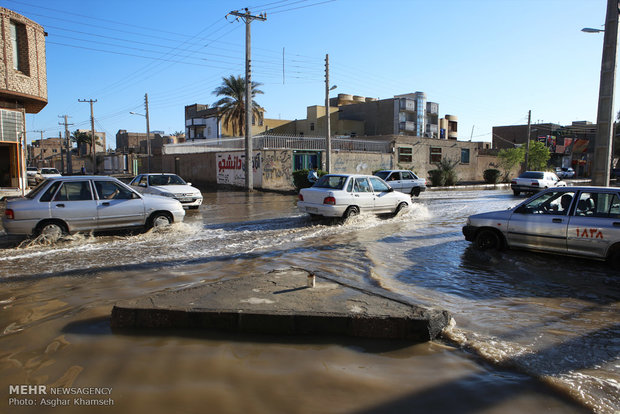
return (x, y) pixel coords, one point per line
(160, 220)
(487, 239)
(399, 208)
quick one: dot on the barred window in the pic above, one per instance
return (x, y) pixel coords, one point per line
(10, 125)
(435, 154)
(405, 154)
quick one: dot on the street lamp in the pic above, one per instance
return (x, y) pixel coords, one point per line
(604, 119)
(148, 141)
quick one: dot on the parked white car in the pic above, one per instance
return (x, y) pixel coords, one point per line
(62, 205)
(564, 172)
(580, 221)
(344, 195)
(534, 181)
(404, 181)
(168, 185)
(45, 173)
(31, 174)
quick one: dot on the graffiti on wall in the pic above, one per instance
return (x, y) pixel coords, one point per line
(360, 163)
(231, 168)
(278, 168)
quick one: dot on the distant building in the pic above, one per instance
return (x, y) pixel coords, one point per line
(202, 122)
(100, 142)
(42, 150)
(569, 145)
(409, 114)
(23, 89)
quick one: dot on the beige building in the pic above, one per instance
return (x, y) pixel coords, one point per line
(23, 89)
(202, 122)
(42, 150)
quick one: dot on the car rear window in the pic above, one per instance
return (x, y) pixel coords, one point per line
(335, 182)
(533, 174)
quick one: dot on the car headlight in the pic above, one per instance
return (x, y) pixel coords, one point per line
(167, 195)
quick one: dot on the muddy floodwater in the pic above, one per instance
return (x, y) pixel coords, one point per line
(532, 332)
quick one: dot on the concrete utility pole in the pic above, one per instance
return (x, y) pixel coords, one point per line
(248, 18)
(67, 143)
(605, 117)
(148, 134)
(527, 146)
(328, 133)
(62, 156)
(92, 131)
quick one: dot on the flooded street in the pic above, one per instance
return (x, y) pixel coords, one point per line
(532, 332)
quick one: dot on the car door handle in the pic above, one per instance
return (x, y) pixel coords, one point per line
(107, 203)
(60, 205)
(557, 220)
(616, 223)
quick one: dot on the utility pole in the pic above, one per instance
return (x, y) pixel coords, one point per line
(62, 156)
(527, 147)
(67, 143)
(148, 134)
(92, 132)
(328, 133)
(248, 18)
(605, 117)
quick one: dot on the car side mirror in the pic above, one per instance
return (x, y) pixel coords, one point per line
(521, 210)
(142, 185)
(390, 189)
(189, 183)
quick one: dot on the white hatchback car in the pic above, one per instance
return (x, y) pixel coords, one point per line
(344, 195)
(579, 221)
(168, 185)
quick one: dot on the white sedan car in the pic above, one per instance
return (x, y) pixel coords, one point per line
(345, 195)
(168, 185)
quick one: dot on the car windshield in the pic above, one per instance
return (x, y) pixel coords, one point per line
(532, 174)
(166, 180)
(335, 182)
(49, 171)
(382, 174)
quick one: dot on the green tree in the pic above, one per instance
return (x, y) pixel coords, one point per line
(539, 155)
(232, 105)
(80, 138)
(445, 174)
(508, 159)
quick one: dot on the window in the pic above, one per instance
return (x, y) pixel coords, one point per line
(405, 154)
(603, 205)
(20, 47)
(112, 191)
(435, 154)
(361, 185)
(464, 155)
(47, 196)
(312, 126)
(10, 125)
(555, 203)
(74, 191)
(407, 175)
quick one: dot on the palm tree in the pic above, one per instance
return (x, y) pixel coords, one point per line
(232, 106)
(82, 138)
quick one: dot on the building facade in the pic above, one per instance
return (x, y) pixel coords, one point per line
(23, 89)
(202, 122)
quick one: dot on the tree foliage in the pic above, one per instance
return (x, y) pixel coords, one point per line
(80, 137)
(232, 105)
(539, 155)
(508, 159)
(445, 174)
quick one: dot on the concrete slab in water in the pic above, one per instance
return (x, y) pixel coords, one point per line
(281, 302)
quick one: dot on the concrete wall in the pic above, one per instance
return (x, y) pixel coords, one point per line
(200, 169)
(360, 162)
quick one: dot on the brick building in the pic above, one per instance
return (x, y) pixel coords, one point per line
(23, 89)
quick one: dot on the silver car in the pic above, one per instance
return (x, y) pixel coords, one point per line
(404, 181)
(579, 221)
(62, 205)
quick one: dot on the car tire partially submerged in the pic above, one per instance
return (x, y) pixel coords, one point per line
(488, 239)
(159, 219)
(51, 231)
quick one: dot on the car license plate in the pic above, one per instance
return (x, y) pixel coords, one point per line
(185, 200)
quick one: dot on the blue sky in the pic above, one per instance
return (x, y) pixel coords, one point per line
(486, 61)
